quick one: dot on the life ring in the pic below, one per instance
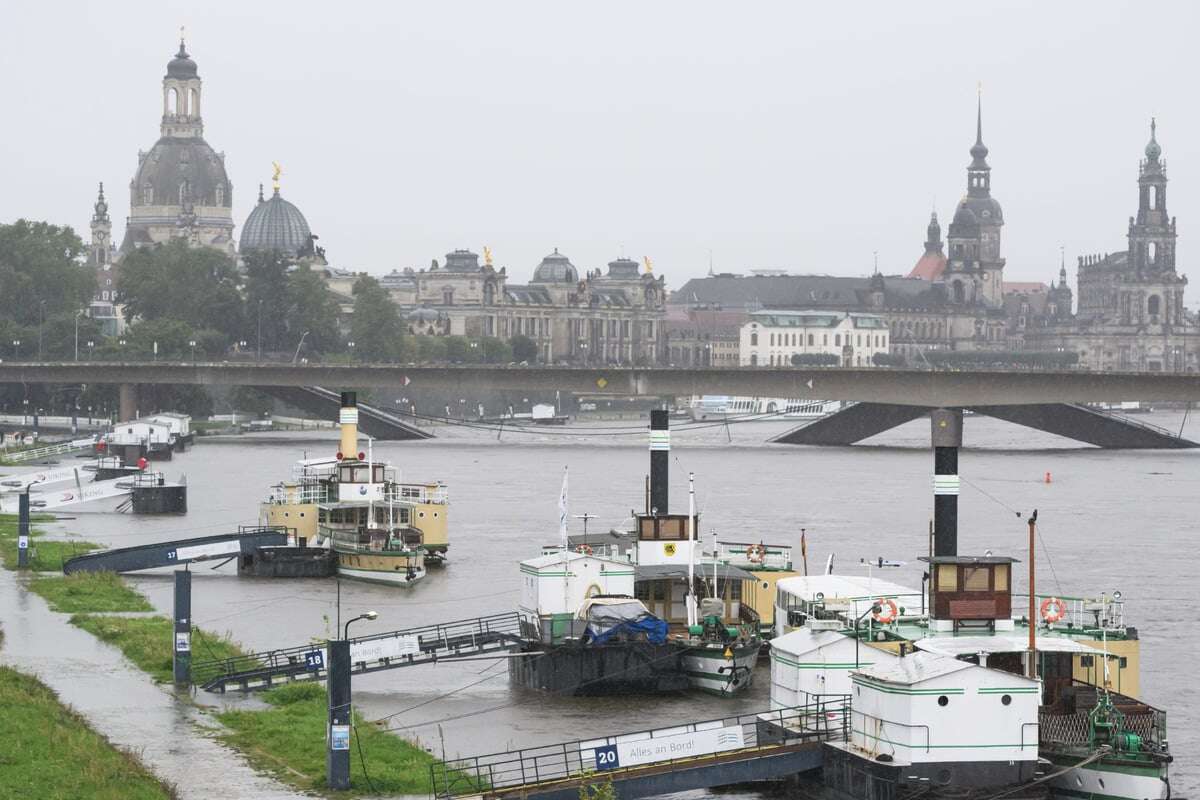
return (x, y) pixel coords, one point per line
(1060, 610)
(888, 611)
(585, 549)
(756, 553)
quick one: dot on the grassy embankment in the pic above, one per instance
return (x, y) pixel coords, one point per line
(147, 641)
(44, 556)
(50, 751)
(288, 740)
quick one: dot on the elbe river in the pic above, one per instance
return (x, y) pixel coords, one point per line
(1109, 520)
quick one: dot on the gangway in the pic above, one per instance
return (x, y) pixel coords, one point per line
(72, 495)
(180, 551)
(403, 648)
(747, 747)
(372, 420)
(49, 450)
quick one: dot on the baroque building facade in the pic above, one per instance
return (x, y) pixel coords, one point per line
(602, 317)
(1130, 313)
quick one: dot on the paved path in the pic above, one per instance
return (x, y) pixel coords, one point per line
(123, 703)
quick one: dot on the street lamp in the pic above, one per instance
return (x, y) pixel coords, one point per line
(16, 345)
(192, 344)
(258, 343)
(350, 344)
(41, 326)
(369, 615)
(299, 344)
(78, 314)
(91, 348)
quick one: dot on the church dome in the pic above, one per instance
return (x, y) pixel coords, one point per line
(180, 171)
(555, 268)
(1153, 148)
(985, 210)
(275, 224)
(181, 66)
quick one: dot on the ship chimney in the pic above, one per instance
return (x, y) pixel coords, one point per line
(947, 438)
(660, 456)
(348, 418)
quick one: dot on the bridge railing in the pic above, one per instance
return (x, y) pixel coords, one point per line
(825, 718)
(428, 640)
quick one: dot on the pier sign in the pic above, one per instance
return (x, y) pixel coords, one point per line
(314, 659)
(666, 748)
(391, 647)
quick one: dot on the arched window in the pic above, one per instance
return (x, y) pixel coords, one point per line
(960, 294)
(810, 340)
(754, 339)
(1152, 252)
(448, 297)
(837, 340)
(1154, 305)
(194, 108)
(754, 359)
(172, 101)
(147, 194)
(1153, 197)
(220, 194)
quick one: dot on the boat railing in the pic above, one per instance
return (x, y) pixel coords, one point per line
(846, 609)
(824, 718)
(416, 493)
(306, 492)
(741, 554)
(1083, 614)
(352, 542)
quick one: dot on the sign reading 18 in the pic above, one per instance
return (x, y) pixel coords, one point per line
(606, 757)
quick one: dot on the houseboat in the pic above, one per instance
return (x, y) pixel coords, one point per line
(718, 407)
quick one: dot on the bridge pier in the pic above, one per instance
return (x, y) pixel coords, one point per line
(128, 402)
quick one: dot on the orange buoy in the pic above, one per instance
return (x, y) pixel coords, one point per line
(1048, 478)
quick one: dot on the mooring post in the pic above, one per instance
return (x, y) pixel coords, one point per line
(23, 529)
(182, 651)
(337, 739)
(660, 460)
(946, 439)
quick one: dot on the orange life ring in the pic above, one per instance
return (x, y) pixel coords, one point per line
(888, 610)
(1060, 610)
(756, 553)
(585, 549)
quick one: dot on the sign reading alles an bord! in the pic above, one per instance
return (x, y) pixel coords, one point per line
(665, 748)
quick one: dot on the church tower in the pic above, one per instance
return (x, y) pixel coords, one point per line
(974, 273)
(180, 189)
(99, 253)
(1152, 232)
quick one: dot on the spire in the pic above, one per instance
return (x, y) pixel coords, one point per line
(979, 150)
(1153, 149)
(1062, 265)
(100, 208)
(260, 193)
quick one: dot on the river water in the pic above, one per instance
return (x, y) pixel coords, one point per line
(1109, 520)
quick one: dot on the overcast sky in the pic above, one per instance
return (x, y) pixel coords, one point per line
(793, 135)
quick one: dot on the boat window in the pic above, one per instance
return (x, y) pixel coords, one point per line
(947, 578)
(1001, 573)
(975, 579)
(378, 470)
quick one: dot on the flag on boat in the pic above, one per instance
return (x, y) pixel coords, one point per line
(562, 512)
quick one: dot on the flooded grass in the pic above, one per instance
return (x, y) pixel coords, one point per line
(147, 641)
(51, 752)
(89, 592)
(44, 556)
(288, 741)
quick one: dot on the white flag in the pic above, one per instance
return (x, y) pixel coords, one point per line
(562, 512)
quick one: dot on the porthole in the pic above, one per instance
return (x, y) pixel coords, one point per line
(1101, 782)
(1006, 699)
(1078, 781)
(943, 701)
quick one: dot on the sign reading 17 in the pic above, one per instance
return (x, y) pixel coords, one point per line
(170, 555)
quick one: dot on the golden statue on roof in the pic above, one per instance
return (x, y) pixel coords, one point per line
(275, 176)
(649, 266)
(487, 255)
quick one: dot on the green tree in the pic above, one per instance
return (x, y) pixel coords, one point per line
(430, 348)
(193, 285)
(267, 300)
(377, 330)
(40, 272)
(524, 348)
(312, 308)
(496, 351)
(458, 350)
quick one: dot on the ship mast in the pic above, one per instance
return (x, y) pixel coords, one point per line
(1031, 667)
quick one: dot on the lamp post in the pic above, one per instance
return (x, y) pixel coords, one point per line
(258, 343)
(192, 344)
(16, 346)
(41, 326)
(91, 348)
(350, 344)
(78, 314)
(370, 615)
(299, 344)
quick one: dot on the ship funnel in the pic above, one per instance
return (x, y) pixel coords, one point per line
(946, 439)
(660, 457)
(348, 418)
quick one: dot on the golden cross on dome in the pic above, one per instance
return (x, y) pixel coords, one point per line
(181, 35)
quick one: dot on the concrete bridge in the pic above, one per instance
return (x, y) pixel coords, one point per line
(903, 391)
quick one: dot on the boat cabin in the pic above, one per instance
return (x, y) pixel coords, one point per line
(970, 593)
(555, 586)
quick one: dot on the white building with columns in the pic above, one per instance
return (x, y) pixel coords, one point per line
(772, 338)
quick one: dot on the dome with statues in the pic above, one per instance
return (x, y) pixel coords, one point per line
(181, 172)
(275, 224)
(555, 268)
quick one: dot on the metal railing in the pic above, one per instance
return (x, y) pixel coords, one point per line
(1083, 614)
(824, 719)
(433, 641)
(772, 556)
(19, 456)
